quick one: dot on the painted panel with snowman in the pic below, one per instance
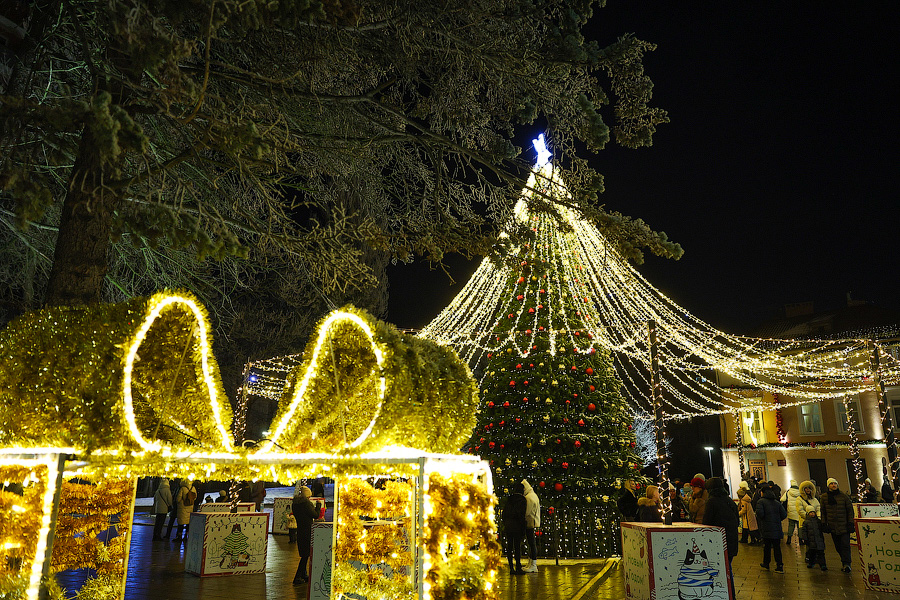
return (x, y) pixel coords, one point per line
(686, 561)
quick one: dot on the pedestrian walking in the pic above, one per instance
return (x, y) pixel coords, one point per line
(184, 505)
(721, 511)
(305, 513)
(514, 525)
(162, 505)
(837, 519)
(532, 522)
(769, 515)
(811, 533)
(750, 533)
(789, 499)
(887, 493)
(806, 502)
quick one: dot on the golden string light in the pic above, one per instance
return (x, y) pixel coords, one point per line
(580, 267)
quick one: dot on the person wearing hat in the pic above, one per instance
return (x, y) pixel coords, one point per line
(837, 518)
(769, 514)
(721, 511)
(648, 506)
(305, 513)
(678, 513)
(806, 502)
(699, 496)
(747, 514)
(789, 499)
(870, 494)
(811, 534)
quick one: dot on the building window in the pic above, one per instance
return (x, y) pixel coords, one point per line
(811, 419)
(752, 427)
(843, 419)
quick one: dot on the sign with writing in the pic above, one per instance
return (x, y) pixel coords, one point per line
(873, 510)
(879, 552)
(634, 557)
(782, 462)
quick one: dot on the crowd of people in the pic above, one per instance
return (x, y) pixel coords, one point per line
(758, 513)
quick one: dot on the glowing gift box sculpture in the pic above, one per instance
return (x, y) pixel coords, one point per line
(132, 389)
(675, 561)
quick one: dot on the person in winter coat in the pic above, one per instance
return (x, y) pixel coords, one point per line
(887, 493)
(699, 495)
(870, 494)
(184, 505)
(721, 511)
(627, 502)
(648, 507)
(769, 514)
(790, 497)
(806, 502)
(748, 517)
(532, 522)
(679, 512)
(837, 518)
(811, 533)
(162, 505)
(258, 493)
(305, 513)
(514, 525)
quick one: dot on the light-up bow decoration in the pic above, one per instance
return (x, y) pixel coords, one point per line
(139, 375)
(364, 386)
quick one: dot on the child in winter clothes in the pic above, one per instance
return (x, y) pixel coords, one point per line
(292, 528)
(811, 533)
(648, 506)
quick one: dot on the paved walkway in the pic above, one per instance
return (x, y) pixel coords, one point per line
(156, 572)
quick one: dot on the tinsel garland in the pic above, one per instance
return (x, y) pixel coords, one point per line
(430, 397)
(21, 508)
(460, 540)
(825, 444)
(374, 545)
(85, 511)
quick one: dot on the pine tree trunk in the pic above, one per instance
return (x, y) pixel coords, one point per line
(80, 261)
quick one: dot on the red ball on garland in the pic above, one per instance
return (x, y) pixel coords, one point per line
(521, 280)
(592, 407)
(565, 465)
(589, 371)
(541, 484)
(549, 460)
(577, 444)
(512, 383)
(538, 532)
(530, 311)
(581, 423)
(490, 405)
(510, 316)
(550, 509)
(519, 297)
(574, 368)
(528, 331)
(558, 487)
(506, 404)
(491, 445)
(592, 388)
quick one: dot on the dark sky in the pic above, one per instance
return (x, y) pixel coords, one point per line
(777, 171)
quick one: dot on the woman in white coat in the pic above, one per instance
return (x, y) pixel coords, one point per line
(789, 497)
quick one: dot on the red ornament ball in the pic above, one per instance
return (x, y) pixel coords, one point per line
(549, 460)
(592, 388)
(581, 422)
(506, 404)
(512, 383)
(491, 445)
(521, 280)
(558, 487)
(519, 297)
(490, 405)
(589, 371)
(565, 465)
(541, 484)
(510, 316)
(519, 366)
(592, 407)
(577, 444)
(530, 311)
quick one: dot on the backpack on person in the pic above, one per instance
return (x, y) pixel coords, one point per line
(190, 497)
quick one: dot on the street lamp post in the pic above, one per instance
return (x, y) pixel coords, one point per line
(709, 450)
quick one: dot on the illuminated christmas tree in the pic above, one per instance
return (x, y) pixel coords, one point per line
(552, 414)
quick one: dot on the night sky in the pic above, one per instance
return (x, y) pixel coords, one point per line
(776, 173)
